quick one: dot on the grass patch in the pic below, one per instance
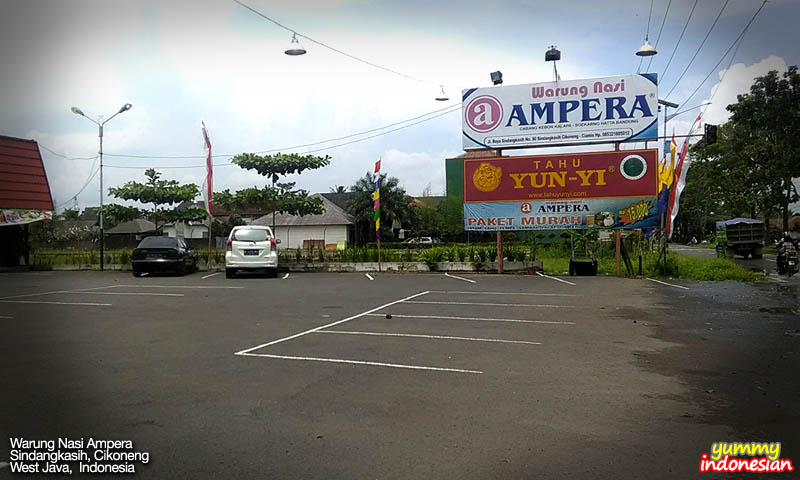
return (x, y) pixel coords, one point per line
(687, 267)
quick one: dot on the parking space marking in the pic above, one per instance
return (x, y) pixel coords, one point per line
(4, 464)
(42, 302)
(7, 318)
(361, 362)
(291, 337)
(494, 304)
(459, 278)
(435, 337)
(369, 276)
(147, 294)
(210, 275)
(286, 276)
(449, 292)
(199, 287)
(668, 284)
(554, 278)
(477, 319)
(55, 291)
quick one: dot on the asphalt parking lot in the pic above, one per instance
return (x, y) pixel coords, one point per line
(400, 376)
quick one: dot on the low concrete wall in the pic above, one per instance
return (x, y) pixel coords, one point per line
(341, 267)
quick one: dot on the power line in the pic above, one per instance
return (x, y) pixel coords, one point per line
(306, 152)
(295, 147)
(664, 72)
(663, 21)
(698, 48)
(64, 156)
(738, 39)
(395, 72)
(88, 181)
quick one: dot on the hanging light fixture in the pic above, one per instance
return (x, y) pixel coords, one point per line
(442, 97)
(646, 50)
(295, 48)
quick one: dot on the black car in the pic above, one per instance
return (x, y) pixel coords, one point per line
(163, 254)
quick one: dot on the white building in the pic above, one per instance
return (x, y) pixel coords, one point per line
(186, 229)
(327, 230)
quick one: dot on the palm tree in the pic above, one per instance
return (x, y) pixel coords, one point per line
(394, 206)
(338, 189)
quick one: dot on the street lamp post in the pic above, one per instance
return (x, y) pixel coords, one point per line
(77, 111)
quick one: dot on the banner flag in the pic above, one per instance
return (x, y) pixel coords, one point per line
(208, 184)
(680, 178)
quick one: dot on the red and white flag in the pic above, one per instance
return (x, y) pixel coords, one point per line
(208, 184)
(680, 178)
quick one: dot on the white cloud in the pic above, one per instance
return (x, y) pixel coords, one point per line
(738, 81)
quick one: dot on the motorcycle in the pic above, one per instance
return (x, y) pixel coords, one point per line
(787, 260)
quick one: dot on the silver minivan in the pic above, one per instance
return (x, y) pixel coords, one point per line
(251, 247)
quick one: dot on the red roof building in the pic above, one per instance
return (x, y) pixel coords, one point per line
(23, 181)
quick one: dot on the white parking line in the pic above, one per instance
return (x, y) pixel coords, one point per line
(147, 294)
(199, 287)
(435, 337)
(4, 464)
(554, 278)
(286, 276)
(459, 278)
(7, 318)
(57, 291)
(369, 276)
(331, 324)
(668, 284)
(361, 362)
(495, 304)
(210, 275)
(58, 303)
(479, 319)
(449, 292)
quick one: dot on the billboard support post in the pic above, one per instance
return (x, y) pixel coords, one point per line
(617, 237)
(499, 251)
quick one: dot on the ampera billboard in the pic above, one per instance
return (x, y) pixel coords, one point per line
(597, 110)
(564, 191)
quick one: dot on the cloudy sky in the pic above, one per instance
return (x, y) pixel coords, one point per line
(183, 62)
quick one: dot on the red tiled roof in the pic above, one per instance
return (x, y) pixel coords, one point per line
(23, 181)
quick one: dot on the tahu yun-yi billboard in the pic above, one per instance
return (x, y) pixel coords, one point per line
(565, 191)
(598, 110)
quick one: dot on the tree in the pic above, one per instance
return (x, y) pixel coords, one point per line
(277, 197)
(765, 123)
(395, 205)
(159, 193)
(70, 214)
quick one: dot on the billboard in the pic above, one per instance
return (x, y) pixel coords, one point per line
(563, 191)
(598, 110)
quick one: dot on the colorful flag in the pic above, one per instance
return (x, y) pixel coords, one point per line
(376, 199)
(208, 184)
(680, 178)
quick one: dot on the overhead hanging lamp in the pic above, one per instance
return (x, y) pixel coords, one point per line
(295, 48)
(442, 97)
(646, 50)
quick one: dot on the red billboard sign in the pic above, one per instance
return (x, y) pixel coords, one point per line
(565, 176)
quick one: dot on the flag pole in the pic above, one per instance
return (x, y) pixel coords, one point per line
(376, 198)
(208, 191)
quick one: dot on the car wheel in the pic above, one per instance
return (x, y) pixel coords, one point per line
(137, 273)
(230, 273)
(181, 270)
(272, 272)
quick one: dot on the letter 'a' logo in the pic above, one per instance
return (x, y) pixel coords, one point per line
(487, 177)
(484, 113)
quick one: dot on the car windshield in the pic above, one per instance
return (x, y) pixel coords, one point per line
(250, 235)
(158, 242)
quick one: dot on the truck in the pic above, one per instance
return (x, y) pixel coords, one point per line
(740, 236)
